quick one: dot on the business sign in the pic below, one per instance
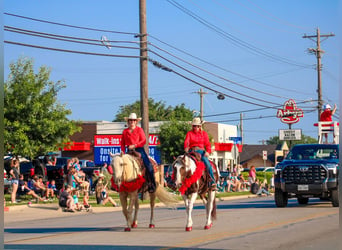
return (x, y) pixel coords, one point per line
(236, 139)
(290, 113)
(105, 144)
(290, 134)
(264, 155)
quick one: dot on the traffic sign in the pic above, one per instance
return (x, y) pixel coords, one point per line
(264, 155)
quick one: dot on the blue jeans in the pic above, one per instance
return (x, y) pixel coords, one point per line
(148, 166)
(207, 164)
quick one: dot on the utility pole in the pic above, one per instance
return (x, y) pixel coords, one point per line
(143, 72)
(201, 93)
(241, 127)
(318, 53)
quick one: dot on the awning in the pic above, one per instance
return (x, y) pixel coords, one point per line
(239, 146)
(223, 146)
(77, 146)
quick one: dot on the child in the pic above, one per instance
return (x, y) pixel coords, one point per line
(52, 189)
(66, 201)
(86, 202)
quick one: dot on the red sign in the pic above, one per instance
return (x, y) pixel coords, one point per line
(290, 113)
(115, 140)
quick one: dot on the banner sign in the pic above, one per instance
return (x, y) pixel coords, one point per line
(103, 144)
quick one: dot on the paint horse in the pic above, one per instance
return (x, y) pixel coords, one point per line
(129, 180)
(191, 179)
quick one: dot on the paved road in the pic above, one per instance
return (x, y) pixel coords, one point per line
(249, 223)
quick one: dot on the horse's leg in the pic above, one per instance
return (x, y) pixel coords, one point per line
(209, 208)
(189, 205)
(136, 209)
(152, 204)
(123, 199)
(133, 197)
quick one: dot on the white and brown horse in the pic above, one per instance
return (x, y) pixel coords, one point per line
(129, 180)
(191, 179)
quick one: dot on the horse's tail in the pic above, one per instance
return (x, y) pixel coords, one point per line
(166, 197)
(213, 211)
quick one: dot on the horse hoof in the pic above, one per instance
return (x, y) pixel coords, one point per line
(127, 229)
(134, 225)
(208, 226)
(188, 229)
(151, 226)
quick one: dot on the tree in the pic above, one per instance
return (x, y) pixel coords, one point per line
(305, 140)
(171, 137)
(157, 111)
(35, 123)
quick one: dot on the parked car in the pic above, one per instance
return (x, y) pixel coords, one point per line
(86, 163)
(264, 169)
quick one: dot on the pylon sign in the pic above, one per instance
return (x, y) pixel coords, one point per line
(290, 113)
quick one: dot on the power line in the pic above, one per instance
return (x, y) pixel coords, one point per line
(69, 51)
(221, 68)
(68, 25)
(63, 38)
(238, 42)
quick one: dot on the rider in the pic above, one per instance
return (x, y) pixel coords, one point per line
(197, 140)
(134, 138)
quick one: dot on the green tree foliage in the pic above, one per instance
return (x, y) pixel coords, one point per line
(157, 111)
(35, 123)
(171, 136)
(305, 140)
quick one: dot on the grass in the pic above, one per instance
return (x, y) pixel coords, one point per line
(92, 199)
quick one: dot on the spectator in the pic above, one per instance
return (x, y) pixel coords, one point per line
(102, 196)
(80, 174)
(222, 187)
(244, 183)
(66, 201)
(14, 173)
(25, 190)
(263, 188)
(252, 175)
(86, 204)
(52, 189)
(235, 182)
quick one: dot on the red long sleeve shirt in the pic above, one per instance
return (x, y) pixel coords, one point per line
(136, 137)
(197, 139)
(326, 116)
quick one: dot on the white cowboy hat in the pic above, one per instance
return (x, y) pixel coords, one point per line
(196, 122)
(132, 116)
(101, 175)
(326, 106)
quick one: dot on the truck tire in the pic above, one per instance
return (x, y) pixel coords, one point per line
(303, 201)
(334, 197)
(280, 198)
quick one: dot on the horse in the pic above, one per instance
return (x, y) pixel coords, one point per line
(128, 177)
(191, 179)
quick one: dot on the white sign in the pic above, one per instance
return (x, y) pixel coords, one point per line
(290, 134)
(264, 155)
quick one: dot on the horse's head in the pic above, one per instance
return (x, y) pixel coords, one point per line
(182, 167)
(117, 164)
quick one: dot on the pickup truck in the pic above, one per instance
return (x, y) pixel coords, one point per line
(309, 170)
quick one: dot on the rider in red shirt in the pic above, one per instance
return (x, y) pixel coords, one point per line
(133, 138)
(326, 116)
(198, 140)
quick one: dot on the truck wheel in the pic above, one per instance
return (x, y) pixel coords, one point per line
(303, 201)
(280, 198)
(334, 198)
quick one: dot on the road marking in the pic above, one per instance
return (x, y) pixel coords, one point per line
(227, 234)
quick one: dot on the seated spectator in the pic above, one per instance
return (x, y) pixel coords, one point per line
(52, 190)
(86, 204)
(25, 190)
(263, 188)
(244, 184)
(235, 183)
(38, 186)
(66, 201)
(102, 196)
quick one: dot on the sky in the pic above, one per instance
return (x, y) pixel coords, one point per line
(252, 52)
